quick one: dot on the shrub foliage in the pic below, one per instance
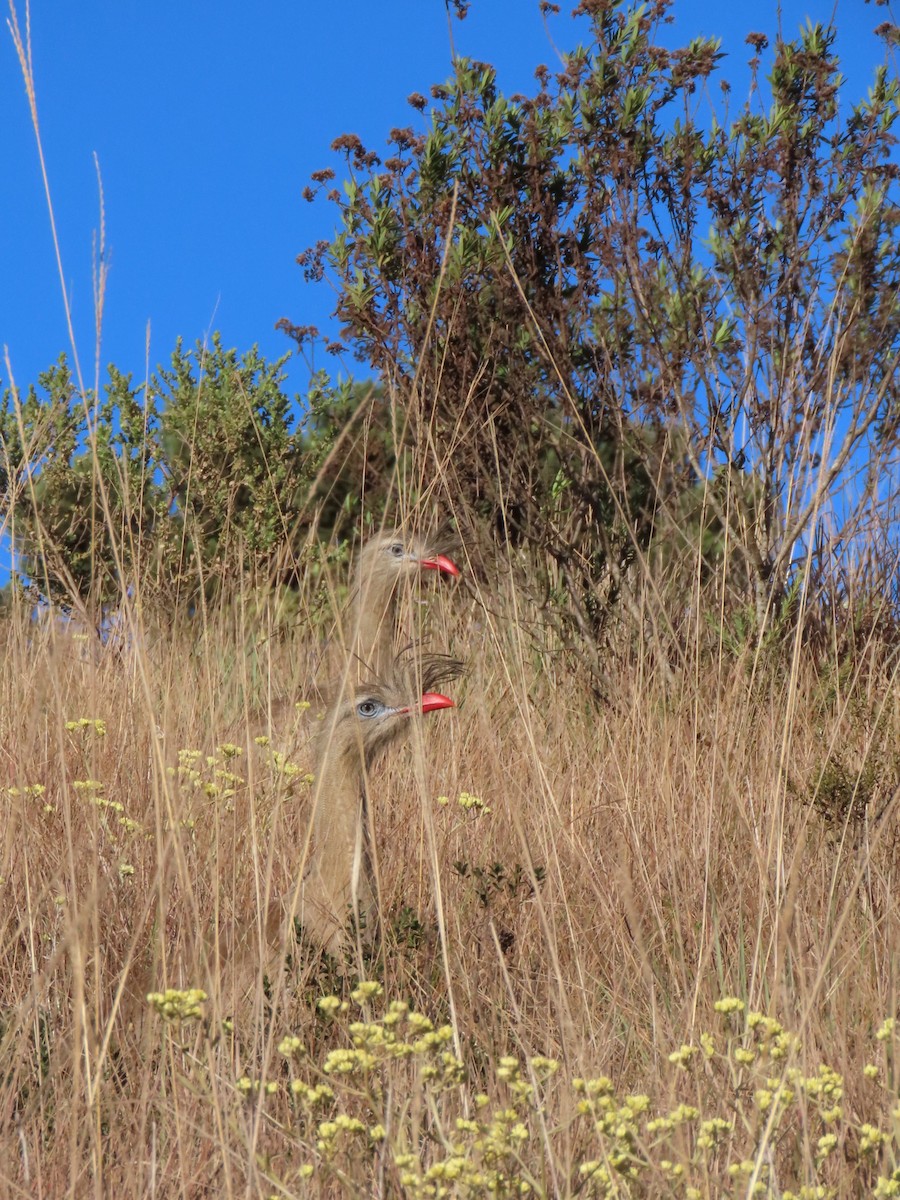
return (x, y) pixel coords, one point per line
(593, 298)
(617, 321)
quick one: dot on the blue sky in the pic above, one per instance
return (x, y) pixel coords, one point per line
(207, 119)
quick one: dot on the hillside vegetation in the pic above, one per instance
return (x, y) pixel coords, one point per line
(639, 891)
(559, 880)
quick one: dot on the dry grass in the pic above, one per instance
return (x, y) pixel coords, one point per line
(721, 825)
(639, 860)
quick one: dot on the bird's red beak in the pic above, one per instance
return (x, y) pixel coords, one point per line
(440, 562)
(429, 702)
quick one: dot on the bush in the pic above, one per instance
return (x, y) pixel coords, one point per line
(588, 301)
(189, 482)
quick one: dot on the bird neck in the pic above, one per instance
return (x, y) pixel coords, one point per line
(339, 801)
(374, 618)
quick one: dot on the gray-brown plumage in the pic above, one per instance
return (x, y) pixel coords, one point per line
(368, 631)
(384, 564)
(357, 729)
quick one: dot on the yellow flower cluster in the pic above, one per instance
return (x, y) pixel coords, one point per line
(681, 1058)
(174, 1005)
(886, 1188)
(87, 725)
(289, 770)
(329, 1005)
(367, 990)
(252, 1087)
(205, 773)
(468, 802)
(291, 1047)
(375, 1042)
(728, 1005)
(331, 1133)
(771, 1037)
(30, 789)
(92, 790)
(342, 1108)
(311, 1095)
(482, 1160)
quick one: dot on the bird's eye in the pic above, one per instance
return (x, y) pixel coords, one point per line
(395, 549)
(367, 708)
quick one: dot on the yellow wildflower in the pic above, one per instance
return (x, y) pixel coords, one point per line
(174, 1005)
(728, 1005)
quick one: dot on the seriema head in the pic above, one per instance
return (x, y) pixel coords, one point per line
(390, 557)
(375, 712)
